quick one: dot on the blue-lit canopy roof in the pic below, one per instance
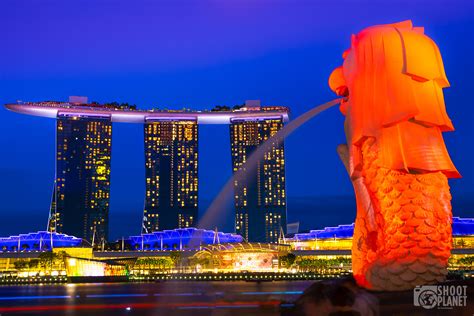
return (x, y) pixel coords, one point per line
(181, 238)
(461, 227)
(341, 231)
(41, 240)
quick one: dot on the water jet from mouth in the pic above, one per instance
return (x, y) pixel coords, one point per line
(226, 193)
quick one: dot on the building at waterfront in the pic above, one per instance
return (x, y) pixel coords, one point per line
(171, 171)
(197, 251)
(80, 203)
(340, 237)
(179, 239)
(259, 191)
(39, 241)
(81, 194)
(238, 257)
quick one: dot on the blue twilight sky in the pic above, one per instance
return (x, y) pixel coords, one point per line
(198, 54)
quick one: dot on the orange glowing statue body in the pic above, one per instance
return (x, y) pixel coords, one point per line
(393, 76)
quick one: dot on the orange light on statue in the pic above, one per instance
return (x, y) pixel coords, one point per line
(393, 77)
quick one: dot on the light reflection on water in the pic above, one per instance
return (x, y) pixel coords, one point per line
(108, 299)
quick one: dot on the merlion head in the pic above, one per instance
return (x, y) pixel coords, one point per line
(391, 75)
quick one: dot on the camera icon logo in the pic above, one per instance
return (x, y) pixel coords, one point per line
(425, 296)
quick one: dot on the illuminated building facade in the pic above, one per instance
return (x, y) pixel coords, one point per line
(259, 193)
(325, 251)
(238, 257)
(80, 202)
(180, 239)
(340, 237)
(171, 160)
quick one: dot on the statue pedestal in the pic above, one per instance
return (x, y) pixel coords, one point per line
(344, 295)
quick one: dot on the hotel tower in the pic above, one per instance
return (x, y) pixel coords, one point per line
(171, 172)
(260, 193)
(80, 202)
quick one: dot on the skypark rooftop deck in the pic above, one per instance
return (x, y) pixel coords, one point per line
(54, 109)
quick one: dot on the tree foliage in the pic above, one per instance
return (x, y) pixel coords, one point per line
(312, 264)
(287, 260)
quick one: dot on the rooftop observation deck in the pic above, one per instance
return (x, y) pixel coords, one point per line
(54, 109)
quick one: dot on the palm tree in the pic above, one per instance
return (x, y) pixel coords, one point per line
(288, 260)
(461, 243)
(33, 263)
(20, 264)
(46, 259)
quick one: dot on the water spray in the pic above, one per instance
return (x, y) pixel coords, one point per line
(252, 161)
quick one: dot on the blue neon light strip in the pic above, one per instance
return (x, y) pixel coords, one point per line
(47, 297)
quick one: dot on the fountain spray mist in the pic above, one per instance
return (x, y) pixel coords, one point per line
(227, 191)
(215, 209)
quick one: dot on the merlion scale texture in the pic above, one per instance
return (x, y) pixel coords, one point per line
(393, 77)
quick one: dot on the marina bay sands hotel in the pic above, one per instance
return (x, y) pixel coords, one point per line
(81, 195)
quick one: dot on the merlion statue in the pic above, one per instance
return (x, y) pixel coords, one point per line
(392, 78)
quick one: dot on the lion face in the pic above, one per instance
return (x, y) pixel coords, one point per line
(392, 78)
